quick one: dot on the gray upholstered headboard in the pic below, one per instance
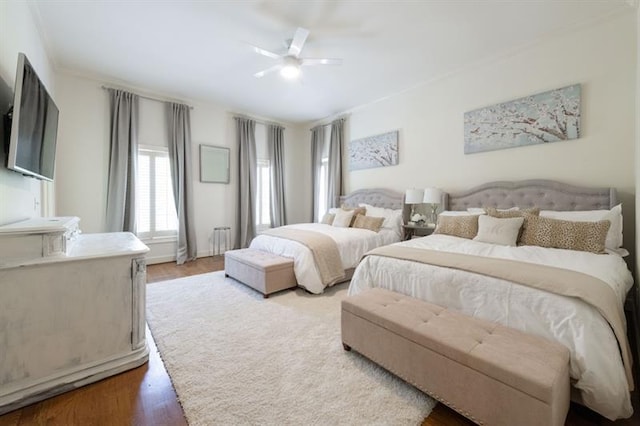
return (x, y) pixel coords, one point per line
(546, 194)
(378, 197)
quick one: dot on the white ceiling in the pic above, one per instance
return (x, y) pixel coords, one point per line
(201, 49)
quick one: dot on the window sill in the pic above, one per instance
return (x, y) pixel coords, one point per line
(159, 240)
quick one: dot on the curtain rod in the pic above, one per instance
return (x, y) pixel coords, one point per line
(146, 97)
(264, 123)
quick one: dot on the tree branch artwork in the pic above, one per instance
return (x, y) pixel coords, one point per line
(374, 151)
(542, 118)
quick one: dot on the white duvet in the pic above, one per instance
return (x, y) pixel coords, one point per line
(596, 365)
(352, 244)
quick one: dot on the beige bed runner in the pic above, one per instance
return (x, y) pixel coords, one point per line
(560, 281)
(324, 249)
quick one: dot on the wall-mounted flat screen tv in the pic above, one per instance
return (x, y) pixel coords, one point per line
(34, 125)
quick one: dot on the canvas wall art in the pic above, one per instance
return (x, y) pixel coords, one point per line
(542, 118)
(374, 151)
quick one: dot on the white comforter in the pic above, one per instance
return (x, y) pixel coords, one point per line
(352, 244)
(596, 365)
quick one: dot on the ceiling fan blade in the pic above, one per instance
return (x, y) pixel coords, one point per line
(298, 41)
(266, 52)
(268, 71)
(325, 61)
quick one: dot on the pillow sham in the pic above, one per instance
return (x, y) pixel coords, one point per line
(463, 226)
(459, 213)
(498, 231)
(534, 211)
(343, 218)
(368, 222)
(392, 218)
(481, 210)
(614, 236)
(327, 219)
(564, 234)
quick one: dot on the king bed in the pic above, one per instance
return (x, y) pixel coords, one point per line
(347, 244)
(600, 361)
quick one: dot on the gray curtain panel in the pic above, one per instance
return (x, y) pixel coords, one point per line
(247, 181)
(275, 143)
(181, 166)
(121, 189)
(317, 143)
(334, 185)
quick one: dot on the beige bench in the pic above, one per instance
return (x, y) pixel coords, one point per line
(491, 374)
(260, 270)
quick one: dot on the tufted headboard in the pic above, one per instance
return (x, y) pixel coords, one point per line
(546, 194)
(378, 197)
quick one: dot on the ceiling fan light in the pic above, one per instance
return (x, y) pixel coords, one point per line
(290, 71)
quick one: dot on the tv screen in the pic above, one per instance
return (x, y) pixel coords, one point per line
(34, 127)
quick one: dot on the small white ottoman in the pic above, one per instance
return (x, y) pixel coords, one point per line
(262, 271)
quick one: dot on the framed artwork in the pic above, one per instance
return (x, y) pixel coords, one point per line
(542, 118)
(374, 151)
(214, 164)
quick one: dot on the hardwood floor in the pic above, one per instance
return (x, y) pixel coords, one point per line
(145, 395)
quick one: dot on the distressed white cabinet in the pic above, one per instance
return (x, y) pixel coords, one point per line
(70, 316)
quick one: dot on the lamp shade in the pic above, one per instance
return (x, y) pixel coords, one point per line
(413, 196)
(432, 196)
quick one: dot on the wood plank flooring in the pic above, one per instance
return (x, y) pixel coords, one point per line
(145, 395)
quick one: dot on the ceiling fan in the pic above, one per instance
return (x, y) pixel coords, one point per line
(291, 62)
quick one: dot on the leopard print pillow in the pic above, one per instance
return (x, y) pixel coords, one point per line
(564, 234)
(512, 213)
(368, 222)
(458, 226)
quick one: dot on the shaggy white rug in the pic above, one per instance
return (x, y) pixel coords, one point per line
(236, 358)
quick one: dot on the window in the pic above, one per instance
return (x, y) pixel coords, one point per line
(322, 187)
(155, 206)
(263, 196)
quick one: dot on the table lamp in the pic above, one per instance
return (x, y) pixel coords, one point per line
(413, 197)
(433, 197)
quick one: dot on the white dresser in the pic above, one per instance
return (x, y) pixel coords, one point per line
(72, 308)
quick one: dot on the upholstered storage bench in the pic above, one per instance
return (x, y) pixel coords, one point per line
(260, 270)
(491, 374)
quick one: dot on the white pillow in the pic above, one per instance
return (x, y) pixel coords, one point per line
(460, 213)
(481, 210)
(343, 218)
(494, 230)
(614, 236)
(392, 218)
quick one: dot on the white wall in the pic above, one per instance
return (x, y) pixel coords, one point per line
(20, 196)
(602, 57)
(83, 155)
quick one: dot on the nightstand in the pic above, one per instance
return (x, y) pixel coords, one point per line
(411, 230)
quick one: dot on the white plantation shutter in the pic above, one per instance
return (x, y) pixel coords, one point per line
(156, 213)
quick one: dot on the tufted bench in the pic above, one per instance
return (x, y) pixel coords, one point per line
(260, 270)
(487, 372)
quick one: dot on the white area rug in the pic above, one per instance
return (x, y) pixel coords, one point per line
(236, 358)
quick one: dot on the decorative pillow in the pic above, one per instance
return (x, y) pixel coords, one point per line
(564, 234)
(368, 222)
(392, 218)
(458, 226)
(343, 218)
(498, 231)
(327, 219)
(614, 236)
(481, 210)
(512, 213)
(356, 212)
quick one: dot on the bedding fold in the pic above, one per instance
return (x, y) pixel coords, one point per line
(323, 248)
(587, 288)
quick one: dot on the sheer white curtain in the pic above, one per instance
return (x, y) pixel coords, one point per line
(121, 200)
(181, 166)
(319, 196)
